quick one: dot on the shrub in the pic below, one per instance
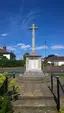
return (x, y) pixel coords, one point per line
(6, 106)
(11, 84)
(2, 79)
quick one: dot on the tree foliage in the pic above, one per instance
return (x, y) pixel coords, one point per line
(3, 78)
(6, 106)
(52, 55)
(24, 56)
(11, 84)
(5, 103)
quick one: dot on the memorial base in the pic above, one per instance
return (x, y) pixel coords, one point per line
(33, 74)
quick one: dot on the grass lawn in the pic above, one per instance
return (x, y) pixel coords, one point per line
(61, 75)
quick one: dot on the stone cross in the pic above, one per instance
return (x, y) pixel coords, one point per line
(33, 28)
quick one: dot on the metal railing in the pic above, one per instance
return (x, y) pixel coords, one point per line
(56, 96)
(4, 87)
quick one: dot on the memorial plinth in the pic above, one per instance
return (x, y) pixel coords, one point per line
(33, 60)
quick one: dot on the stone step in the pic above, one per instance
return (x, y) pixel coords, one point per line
(34, 109)
(32, 78)
(34, 102)
(31, 110)
(35, 96)
(20, 97)
(34, 105)
(34, 90)
(33, 74)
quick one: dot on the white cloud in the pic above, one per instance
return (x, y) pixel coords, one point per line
(17, 48)
(14, 46)
(11, 48)
(19, 57)
(41, 47)
(23, 46)
(57, 47)
(56, 54)
(30, 16)
(3, 35)
(20, 44)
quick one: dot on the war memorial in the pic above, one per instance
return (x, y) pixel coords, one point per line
(35, 96)
(35, 91)
(33, 61)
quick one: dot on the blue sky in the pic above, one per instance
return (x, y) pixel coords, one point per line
(16, 16)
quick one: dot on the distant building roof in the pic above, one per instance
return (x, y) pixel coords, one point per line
(4, 51)
(55, 58)
(61, 58)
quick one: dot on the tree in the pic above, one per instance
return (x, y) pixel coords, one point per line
(24, 56)
(52, 55)
(12, 56)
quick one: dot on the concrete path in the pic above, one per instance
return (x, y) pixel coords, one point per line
(35, 96)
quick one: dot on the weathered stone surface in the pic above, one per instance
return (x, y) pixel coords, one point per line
(35, 97)
(34, 74)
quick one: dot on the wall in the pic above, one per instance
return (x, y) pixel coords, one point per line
(7, 55)
(53, 68)
(60, 63)
(57, 63)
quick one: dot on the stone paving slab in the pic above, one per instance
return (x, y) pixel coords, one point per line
(35, 96)
(35, 111)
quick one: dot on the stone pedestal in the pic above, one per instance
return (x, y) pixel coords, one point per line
(33, 65)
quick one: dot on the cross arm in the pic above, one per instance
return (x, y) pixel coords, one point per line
(30, 28)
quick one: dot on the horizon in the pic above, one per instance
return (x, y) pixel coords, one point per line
(17, 16)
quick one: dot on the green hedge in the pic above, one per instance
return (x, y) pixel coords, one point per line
(11, 63)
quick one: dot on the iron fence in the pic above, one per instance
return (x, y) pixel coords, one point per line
(58, 86)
